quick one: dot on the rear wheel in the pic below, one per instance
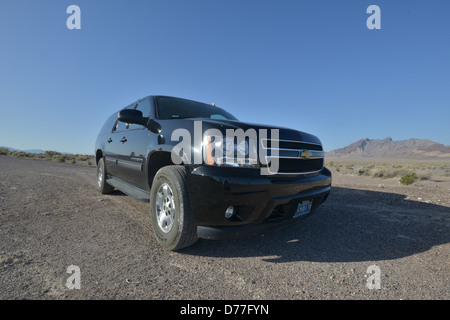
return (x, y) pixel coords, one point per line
(102, 186)
(172, 219)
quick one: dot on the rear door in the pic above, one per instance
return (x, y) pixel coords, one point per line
(132, 150)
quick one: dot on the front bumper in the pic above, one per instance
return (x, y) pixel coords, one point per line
(262, 202)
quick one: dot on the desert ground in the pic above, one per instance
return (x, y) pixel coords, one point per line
(52, 219)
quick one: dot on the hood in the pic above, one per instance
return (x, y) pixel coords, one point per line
(284, 133)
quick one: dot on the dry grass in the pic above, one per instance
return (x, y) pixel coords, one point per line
(391, 169)
(52, 156)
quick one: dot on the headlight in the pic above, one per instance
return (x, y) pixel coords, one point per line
(230, 152)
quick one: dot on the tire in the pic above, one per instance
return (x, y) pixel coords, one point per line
(171, 215)
(102, 186)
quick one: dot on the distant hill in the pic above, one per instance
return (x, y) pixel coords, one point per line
(388, 148)
(37, 151)
(29, 150)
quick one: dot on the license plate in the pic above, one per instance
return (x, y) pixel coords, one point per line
(304, 207)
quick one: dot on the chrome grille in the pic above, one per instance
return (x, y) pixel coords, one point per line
(295, 157)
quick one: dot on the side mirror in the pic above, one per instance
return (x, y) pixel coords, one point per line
(132, 116)
(154, 126)
(135, 116)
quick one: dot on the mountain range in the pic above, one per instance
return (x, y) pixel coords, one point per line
(388, 148)
(372, 148)
(37, 151)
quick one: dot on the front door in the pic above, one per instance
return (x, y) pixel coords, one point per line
(132, 150)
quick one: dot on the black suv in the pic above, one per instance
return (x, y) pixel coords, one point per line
(206, 174)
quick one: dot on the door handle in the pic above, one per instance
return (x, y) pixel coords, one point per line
(109, 140)
(123, 140)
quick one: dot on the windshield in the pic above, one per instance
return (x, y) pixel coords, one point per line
(176, 108)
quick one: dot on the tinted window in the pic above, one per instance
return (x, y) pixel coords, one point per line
(120, 126)
(176, 108)
(144, 107)
(108, 126)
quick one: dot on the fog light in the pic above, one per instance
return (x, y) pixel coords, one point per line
(229, 212)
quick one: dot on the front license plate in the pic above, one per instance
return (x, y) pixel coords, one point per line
(304, 207)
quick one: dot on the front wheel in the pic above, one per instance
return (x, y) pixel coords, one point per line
(102, 186)
(172, 219)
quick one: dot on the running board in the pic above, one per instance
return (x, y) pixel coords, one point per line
(128, 189)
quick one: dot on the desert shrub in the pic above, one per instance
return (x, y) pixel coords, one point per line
(73, 161)
(50, 154)
(22, 154)
(4, 152)
(382, 173)
(38, 156)
(364, 171)
(424, 175)
(89, 162)
(409, 178)
(401, 172)
(61, 159)
(82, 158)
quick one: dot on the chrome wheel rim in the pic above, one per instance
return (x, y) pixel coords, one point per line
(165, 208)
(99, 176)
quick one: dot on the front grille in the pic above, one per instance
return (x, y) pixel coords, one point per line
(290, 144)
(299, 165)
(294, 157)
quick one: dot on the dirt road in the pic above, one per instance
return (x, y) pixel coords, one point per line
(52, 218)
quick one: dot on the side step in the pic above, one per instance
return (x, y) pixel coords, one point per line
(128, 189)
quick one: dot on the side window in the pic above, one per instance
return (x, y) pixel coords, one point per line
(144, 107)
(107, 127)
(120, 126)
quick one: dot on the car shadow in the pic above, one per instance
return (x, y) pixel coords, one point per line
(117, 193)
(352, 225)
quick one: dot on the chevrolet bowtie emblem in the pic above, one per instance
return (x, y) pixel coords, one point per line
(305, 154)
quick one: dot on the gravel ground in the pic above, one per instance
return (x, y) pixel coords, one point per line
(52, 218)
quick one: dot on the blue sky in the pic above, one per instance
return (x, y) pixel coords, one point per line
(309, 65)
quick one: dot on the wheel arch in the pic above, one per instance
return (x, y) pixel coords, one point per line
(157, 160)
(98, 155)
